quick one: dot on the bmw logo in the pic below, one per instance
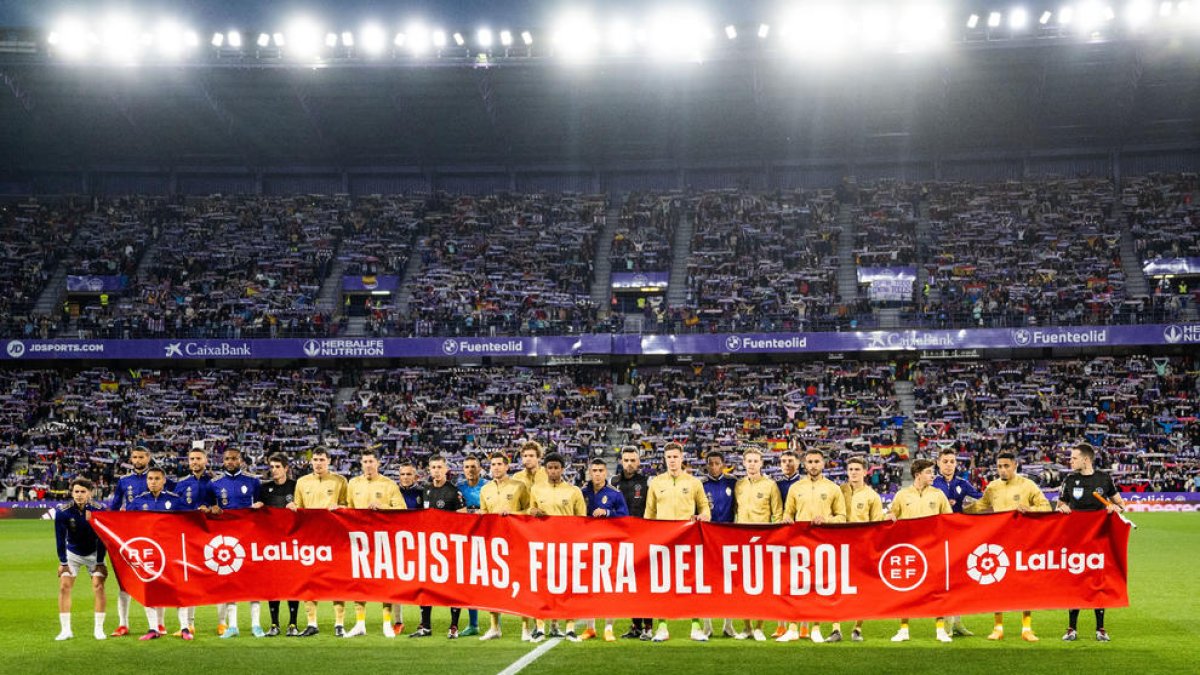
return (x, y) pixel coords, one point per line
(733, 343)
(450, 347)
(1022, 336)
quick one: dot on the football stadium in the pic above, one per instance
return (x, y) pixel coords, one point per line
(593, 337)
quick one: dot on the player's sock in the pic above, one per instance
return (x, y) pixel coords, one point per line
(256, 615)
(571, 626)
(152, 618)
(387, 614)
(904, 624)
(293, 611)
(183, 618)
(696, 625)
(98, 626)
(310, 611)
(191, 617)
(339, 613)
(540, 624)
(427, 617)
(493, 621)
(940, 624)
(64, 621)
(232, 616)
(1026, 623)
(1073, 619)
(1099, 619)
(473, 617)
(360, 614)
(123, 600)
(223, 613)
(455, 614)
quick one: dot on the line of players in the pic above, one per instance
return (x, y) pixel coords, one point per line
(538, 489)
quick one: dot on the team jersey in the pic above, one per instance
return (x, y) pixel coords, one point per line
(721, 498)
(635, 489)
(912, 503)
(558, 499)
(538, 477)
(956, 490)
(510, 495)
(1007, 495)
(676, 498)
(317, 492)
(414, 496)
(362, 491)
(608, 498)
(1078, 489)
(73, 532)
(445, 497)
(130, 486)
(785, 484)
(196, 491)
(862, 505)
(758, 501)
(277, 495)
(809, 498)
(470, 493)
(163, 501)
(235, 490)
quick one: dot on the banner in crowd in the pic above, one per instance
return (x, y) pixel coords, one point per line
(1179, 266)
(645, 281)
(867, 275)
(369, 283)
(574, 567)
(891, 290)
(594, 344)
(77, 283)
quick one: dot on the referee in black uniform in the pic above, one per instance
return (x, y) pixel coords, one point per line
(442, 495)
(1078, 494)
(277, 493)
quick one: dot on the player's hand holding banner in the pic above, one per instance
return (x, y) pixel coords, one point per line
(578, 567)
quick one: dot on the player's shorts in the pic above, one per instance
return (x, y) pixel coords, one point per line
(88, 562)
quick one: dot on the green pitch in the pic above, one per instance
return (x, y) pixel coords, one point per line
(1159, 633)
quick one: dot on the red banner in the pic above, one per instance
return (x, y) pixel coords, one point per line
(576, 567)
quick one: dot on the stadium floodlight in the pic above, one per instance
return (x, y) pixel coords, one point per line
(678, 35)
(439, 39)
(234, 39)
(303, 38)
(191, 39)
(972, 21)
(119, 38)
(347, 39)
(264, 40)
(764, 29)
(71, 39)
(506, 38)
(400, 39)
(1045, 17)
(1165, 9)
(1066, 15)
(922, 27)
(994, 20)
(171, 40)
(278, 39)
(621, 37)
(1138, 13)
(374, 39)
(417, 37)
(527, 37)
(1018, 18)
(731, 32)
(484, 37)
(576, 37)
(331, 39)
(459, 39)
(875, 26)
(817, 31)
(218, 40)
(1088, 15)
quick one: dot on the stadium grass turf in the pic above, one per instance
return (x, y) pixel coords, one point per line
(1158, 633)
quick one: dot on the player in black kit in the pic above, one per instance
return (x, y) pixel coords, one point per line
(277, 494)
(1079, 490)
(443, 495)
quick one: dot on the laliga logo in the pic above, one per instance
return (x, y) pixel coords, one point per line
(145, 557)
(1022, 336)
(733, 343)
(224, 555)
(987, 564)
(312, 348)
(16, 349)
(450, 347)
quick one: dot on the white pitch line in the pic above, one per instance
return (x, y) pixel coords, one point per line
(529, 658)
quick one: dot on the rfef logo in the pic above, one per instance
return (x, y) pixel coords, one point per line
(903, 567)
(145, 557)
(224, 555)
(987, 564)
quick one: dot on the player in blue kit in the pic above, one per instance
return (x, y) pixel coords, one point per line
(128, 488)
(719, 488)
(957, 491)
(469, 486)
(602, 501)
(195, 489)
(79, 547)
(234, 489)
(156, 498)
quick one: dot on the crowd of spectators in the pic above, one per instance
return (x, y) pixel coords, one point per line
(643, 239)
(1163, 216)
(33, 238)
(1139, 412)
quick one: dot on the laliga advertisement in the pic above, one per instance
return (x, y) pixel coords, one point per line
(570, 566)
